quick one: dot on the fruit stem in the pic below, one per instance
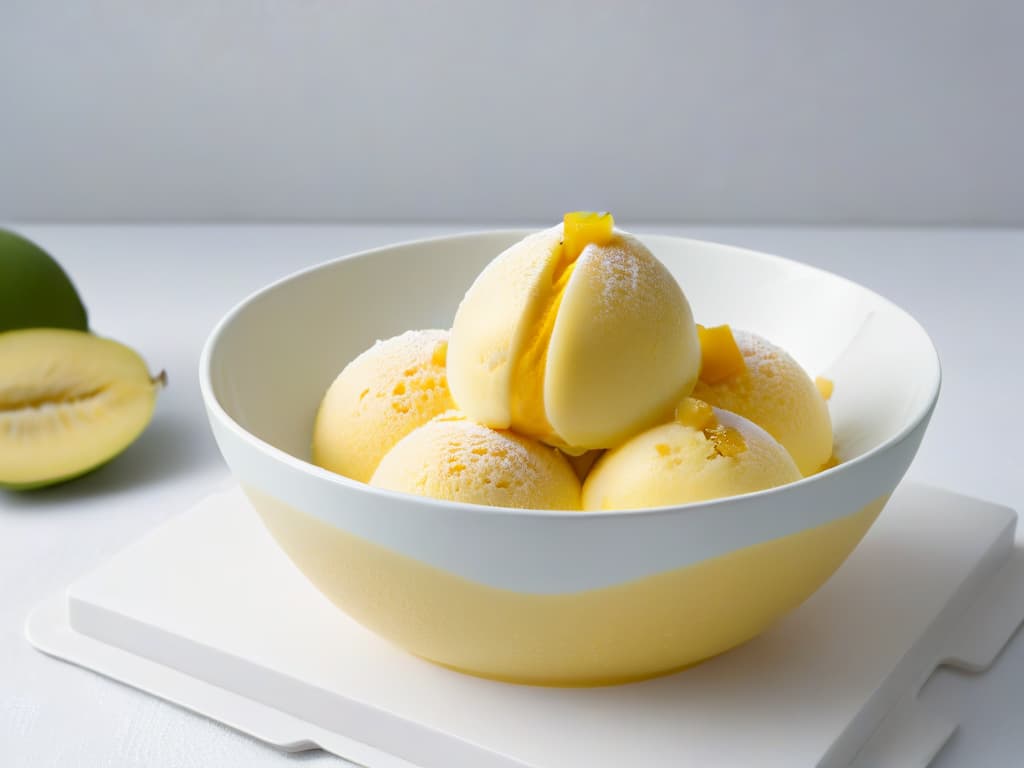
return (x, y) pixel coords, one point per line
(160, 380)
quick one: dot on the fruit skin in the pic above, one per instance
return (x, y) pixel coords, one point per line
(34, 291)
(69, 403)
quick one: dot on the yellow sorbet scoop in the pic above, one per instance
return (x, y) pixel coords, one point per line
(577, 336)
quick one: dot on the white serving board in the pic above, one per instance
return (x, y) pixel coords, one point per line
(208, 613)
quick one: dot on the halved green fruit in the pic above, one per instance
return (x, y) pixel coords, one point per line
(69, 402)
(34, 291)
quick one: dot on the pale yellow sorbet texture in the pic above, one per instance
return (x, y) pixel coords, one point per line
(379, 398)
(678, 464)
(455, 459)
(579, 352)
(776, 394)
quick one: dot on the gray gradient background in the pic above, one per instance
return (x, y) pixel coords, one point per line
(739, 111)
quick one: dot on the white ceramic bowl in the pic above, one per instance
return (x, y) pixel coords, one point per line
(555, 597)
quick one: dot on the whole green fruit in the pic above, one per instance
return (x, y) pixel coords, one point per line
(34, 291)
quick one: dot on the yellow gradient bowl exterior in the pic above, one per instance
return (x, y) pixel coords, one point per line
(615, 634)
(562, 598)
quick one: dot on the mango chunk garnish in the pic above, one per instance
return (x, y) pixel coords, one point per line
(721, 358)
(439, 357)
(825, 386)
(581, 228)
(727, 440)
(695, 413)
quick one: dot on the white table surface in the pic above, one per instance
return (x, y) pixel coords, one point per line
(162, 288)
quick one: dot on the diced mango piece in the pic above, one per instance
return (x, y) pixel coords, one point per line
(728, 441)
(695, 413)
(721, 358)
(440, 354)
(581, 228)
(825, 386)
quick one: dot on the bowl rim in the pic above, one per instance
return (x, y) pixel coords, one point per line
(216, 411)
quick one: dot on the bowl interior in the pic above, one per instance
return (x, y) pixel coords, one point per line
(276, 353)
